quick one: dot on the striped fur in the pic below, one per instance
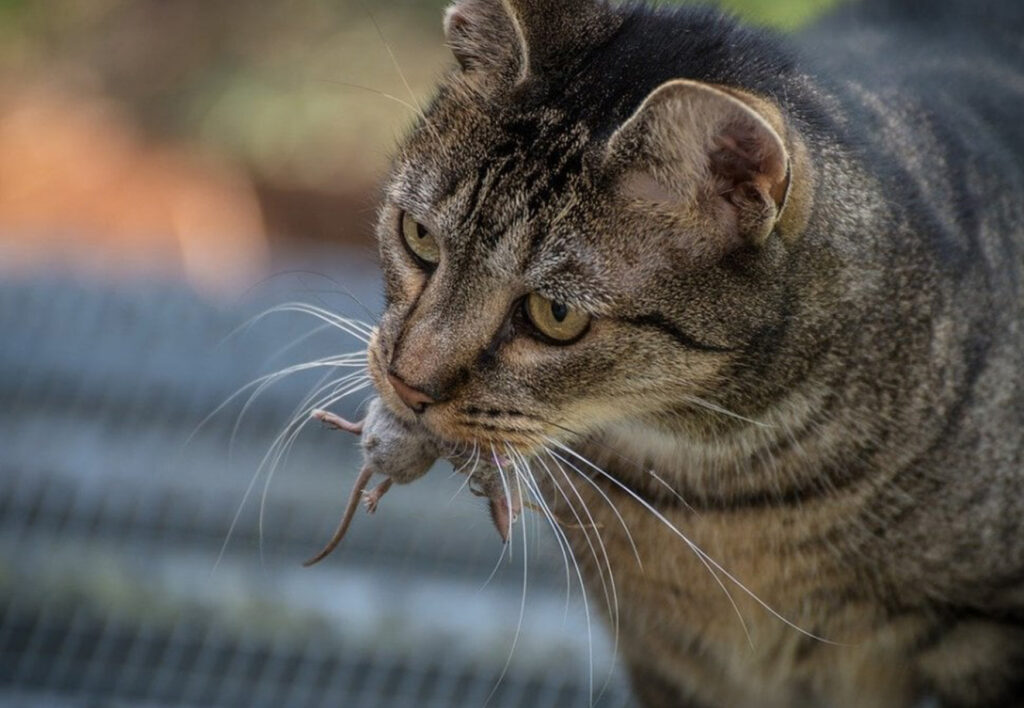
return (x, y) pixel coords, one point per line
(832, 410)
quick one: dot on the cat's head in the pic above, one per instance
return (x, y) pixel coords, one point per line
(559, 255)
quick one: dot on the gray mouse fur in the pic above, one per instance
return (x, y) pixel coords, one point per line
(399, 451)
(402, 452)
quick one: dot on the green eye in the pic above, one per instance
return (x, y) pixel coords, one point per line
(420, 241)
(556, 320)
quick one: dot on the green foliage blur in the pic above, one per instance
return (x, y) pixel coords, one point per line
(309, 93)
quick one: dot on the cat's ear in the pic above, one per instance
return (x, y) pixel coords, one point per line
(522, 38)
(483, 37)
(698, 147)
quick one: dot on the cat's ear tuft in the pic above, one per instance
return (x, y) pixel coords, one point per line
(523, 38)
(711, 149)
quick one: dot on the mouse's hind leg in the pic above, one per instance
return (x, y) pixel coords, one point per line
(371, 499)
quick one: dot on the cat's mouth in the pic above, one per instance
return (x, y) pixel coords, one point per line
(488, 429)
(492, 427)
(458, 424)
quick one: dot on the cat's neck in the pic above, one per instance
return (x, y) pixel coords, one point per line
(796, 441)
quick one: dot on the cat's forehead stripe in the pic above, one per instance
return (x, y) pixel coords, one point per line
(531, 165)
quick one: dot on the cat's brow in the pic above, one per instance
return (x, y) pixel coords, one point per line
(529, 169)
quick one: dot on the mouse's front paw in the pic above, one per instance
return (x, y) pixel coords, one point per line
(337, 422)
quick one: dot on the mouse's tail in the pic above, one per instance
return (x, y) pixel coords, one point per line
(350, 511)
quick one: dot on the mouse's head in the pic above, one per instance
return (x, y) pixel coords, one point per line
(394, 447)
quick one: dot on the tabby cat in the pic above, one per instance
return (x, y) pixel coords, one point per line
(749, 309)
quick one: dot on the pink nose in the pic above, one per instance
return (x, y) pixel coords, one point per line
(414, 398)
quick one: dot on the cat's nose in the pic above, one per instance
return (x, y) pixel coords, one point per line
(414, 398)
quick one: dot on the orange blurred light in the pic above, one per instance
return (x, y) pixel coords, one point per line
(80, 186)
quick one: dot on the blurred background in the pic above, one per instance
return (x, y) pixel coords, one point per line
(168, 171)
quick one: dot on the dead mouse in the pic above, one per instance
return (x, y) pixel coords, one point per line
(399, 451)
(403, 452)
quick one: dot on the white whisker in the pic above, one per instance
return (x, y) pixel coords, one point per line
(383, 94)
(609, 587)
(350, 360)
(534, 489)
(494, 570)
(708, 561)
(297, 342)
(522, 604)
(278, 440)
(362, 330)
(282, 444)
(508, 496)
(703, 403)
(298, 423)
(474, 457)
(611, 505)
(700, 554)
(579, 574)
(671, 489)
(603, 560)
(355, 328)
(361, 375)
(394, 59)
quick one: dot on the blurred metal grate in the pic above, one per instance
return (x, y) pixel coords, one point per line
(112, 518)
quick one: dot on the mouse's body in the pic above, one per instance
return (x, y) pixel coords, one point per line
(402, 452)
(393, 448)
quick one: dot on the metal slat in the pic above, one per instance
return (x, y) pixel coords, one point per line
(110, 526)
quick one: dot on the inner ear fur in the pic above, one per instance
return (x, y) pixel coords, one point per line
(719, 150)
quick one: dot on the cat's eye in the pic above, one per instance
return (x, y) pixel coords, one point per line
(420, 242)
(555, 320)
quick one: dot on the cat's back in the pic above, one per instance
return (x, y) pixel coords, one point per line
(905, 41)
(930, 98)
(948, 73)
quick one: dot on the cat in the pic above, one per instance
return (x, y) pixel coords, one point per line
(747, 308)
